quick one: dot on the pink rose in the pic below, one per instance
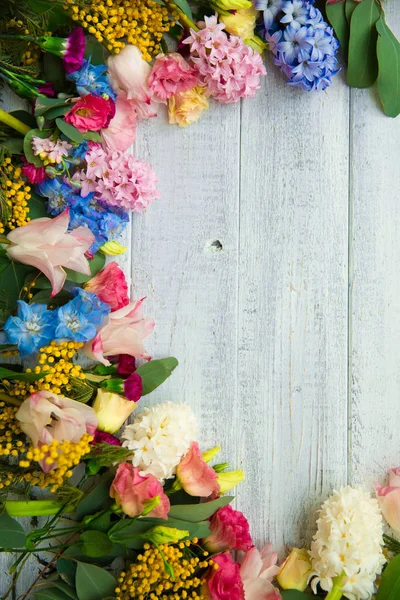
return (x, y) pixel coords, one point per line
(389, 499)
(121, 131)
(123, 334)
(131, 491)
(196, 477)
(91, 113)
(44, 417)
(110, 286)
(257, 572)
(229, 531)
(45, 244)
(129, 73)
(226, 583)
(171, 74)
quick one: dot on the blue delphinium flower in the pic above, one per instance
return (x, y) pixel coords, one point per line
(32, 328)
(303, 44)
(79, 318)
(58, 195)
(91, 79)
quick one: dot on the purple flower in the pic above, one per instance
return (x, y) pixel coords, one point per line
(296, 44)
(295, 13)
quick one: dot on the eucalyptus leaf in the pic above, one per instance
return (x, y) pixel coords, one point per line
(337, 18)
(67, 589)
(92, 136)
(129, 532)
(97, 499)
(44, 104)
(198, 512)
(95, 543)
(70, 131)
(66, 569)
(11, 533)
(389, 588)
(388, 50)
(93, 583)
(155, 372)
(349, 7)
(51, 594)
(362, 62)
(45, 297)
(58, 111)
(14, 145)
(185, 8)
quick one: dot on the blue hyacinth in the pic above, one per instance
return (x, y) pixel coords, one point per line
(302, 43)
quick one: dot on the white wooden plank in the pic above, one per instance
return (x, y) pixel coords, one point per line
(292, 331)
(375, 283)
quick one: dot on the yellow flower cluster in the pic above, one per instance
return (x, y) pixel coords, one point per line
(147, 579)
(56, 360)
(32, 54)
(115, 23)
(17, 194)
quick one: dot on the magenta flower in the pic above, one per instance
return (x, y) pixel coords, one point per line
(70, 49)
(47, 89)
(230, 530)
(32, 173)
(126, 365)
(110, 286)
(229, 68)
(225, 583)
(91, 113)
(133, 387)
(102, 437)
(171, 74)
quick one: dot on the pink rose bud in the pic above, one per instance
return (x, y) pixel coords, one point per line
(295, 571)
(196, 477)
(229, 531)
(132, 492)
(110, 286)
(389, 499)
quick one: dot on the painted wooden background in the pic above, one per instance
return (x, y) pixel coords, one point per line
(271, 265)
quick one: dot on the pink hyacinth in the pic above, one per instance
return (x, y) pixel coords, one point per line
(119, 179)
(171, 74)
(227, 66)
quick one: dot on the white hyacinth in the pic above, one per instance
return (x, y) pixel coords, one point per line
(348, 542)
(160, 437)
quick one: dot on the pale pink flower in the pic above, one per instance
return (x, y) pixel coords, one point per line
(46, 147)
(195, 475)
(257, 572)
(44, 417)
(389, 499)
(123, 334)
(45, 244)
(129, 73)
(229, 68)
(121, 132)
(59, 150)
(171, 74)
(132, 490)
(41, 145)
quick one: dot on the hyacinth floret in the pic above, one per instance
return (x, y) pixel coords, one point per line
(303, 44)
(348, 544)
(160, 437)
(229, 68)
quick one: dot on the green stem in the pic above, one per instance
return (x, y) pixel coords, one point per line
(10, 399)
(336, 592)
(11, 121)
(183, 19)
(34, 508)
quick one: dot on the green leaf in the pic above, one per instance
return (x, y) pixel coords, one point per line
(37, 207)
(24, 116)
(66, 569)
(388, 50)
(389, 588)
(67, 589)
(198, 512)
(43, 104)
(95, 51)
(70, 131)
(129, 531)
(155, 372)
(95, 266)
(8, 374)
(44, 297)
(349, 7)
(337, 18)
(59, 111)
(14, 145)
(30, 157)
(92, 136)
(51, 594)
(363, 63)
(93, 583)
(295, 595)
(11, 533)
(184, 6)
(12, 276)
(54, 71)
(97, 499)
(95, 543)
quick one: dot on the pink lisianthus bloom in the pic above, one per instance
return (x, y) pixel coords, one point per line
(91, 113)
(121, 131)
(45, 244)
(229, 68)
(129, 73)
(32, 173)
(196, 476)
(225, 583)
(44, 417)
(230, 530)
(131, 491)
(389, 499)
(123, 334)
(171, 74)
(110, 286)
(257, 572)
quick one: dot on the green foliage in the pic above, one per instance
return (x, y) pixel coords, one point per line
(93, 583)
(155, 372)
(363, 63)
(96, 499)
(70, 131)
(44, 105)
(95, 543)
(92, 136)
(389, 588)
(52, 593)
(198, 512)
(105, 455)
(16, 376)
(12, 276)
(388, 51)
(37, 207)
(391, 544)
(11, 533)
(185, 8)
(337, 17)
(349, 7)
(95, 266)
(5, 308)
(295, 595)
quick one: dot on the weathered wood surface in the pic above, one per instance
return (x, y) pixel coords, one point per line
(270, 265)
